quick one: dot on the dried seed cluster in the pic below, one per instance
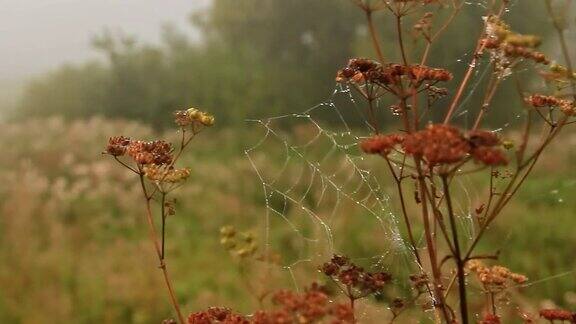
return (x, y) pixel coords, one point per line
(441, 144)
(568, 107)
(361, 70)
(311, 306)
(167, 174)
(558, 315)
(142, 152)
(495, 278)
(490, 319)
(358, 281)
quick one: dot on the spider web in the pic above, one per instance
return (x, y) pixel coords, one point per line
(316, 182)
(323, 178)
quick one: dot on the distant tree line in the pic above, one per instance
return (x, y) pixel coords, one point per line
(255, 58)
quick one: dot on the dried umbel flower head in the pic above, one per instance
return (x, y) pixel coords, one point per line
(152, 152)
(483, 148)
(558, 315)
(192, 116)
(478, 138)
(381, 144)
(117, 145)
(360, 70)
(168, 174)
(568, 107)
(425, 73)
(437, 144)
(358, 281)
(445, 144)
(310, 306)
(215, 315)
(490, 319)
(489, 156)
(495, 278)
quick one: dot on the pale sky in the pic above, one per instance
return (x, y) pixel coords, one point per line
(37, 35)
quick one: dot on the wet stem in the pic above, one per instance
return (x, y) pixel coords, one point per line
(159, 248)
(460, 263)
(374, 36)
(352, 299)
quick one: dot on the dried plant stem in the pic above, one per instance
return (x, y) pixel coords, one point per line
(462, 87)
(400, 39)
(432, 253)
(490, 92)
(352, 300)
(163, 213)
(460, 263)
(373, 34)
(371, 112)
(407, 221)
(159, 251)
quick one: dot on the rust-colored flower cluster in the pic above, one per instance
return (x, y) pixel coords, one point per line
(142, 152)
(150, 152)
(441, 144)
(495, 278)
(381, 144)
(311, 306)
(568, 107)
(355, 278)
(117, 145)
(558, 315)
(215, 315)
(360, 70)
(437, 144)
(490, 319)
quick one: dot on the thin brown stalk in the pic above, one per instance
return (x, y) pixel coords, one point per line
(407, 221)
(460, 263)
(431, 248)
(491, 91)
(374, 35)
(158, 248)
(400, 39)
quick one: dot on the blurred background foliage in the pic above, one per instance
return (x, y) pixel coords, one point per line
(72, 237)
(254, 59)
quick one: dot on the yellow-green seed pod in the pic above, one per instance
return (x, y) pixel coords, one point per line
(508, 144)
(227, 231)
(228, 243)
